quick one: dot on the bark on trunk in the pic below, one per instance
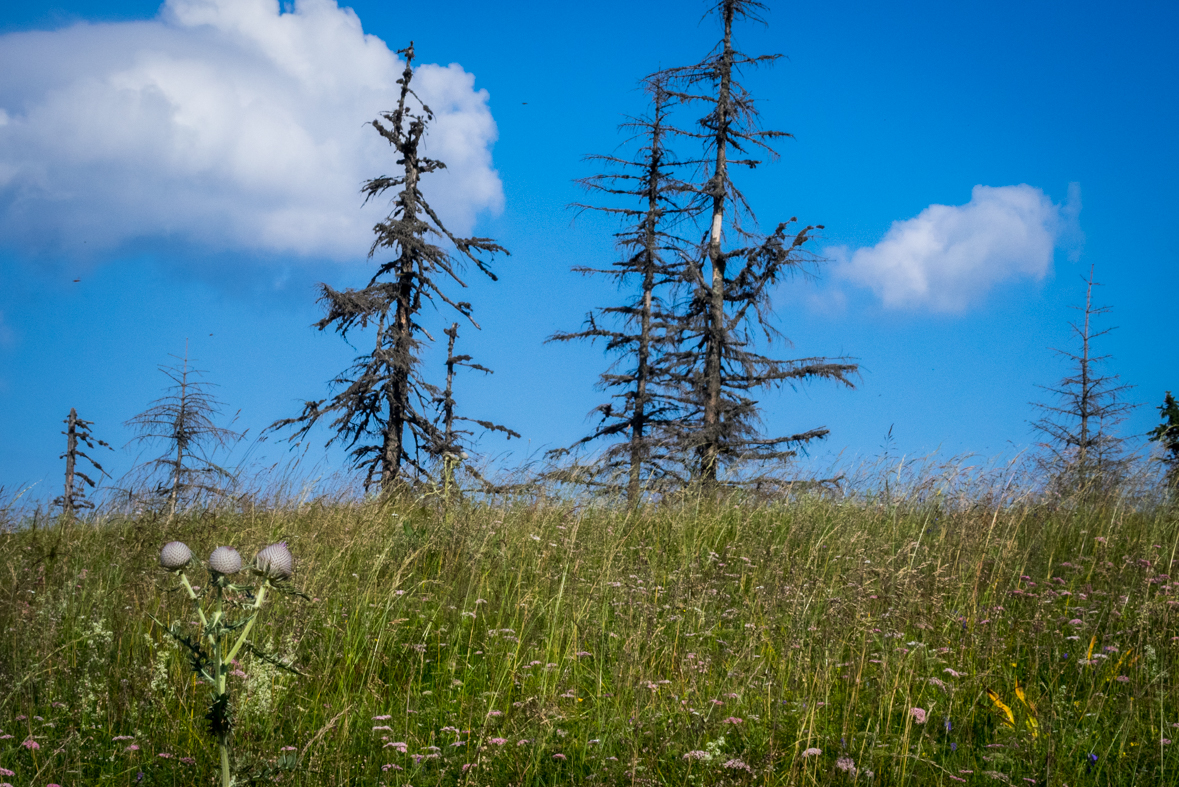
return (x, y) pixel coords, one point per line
(715, 328)
(67, 499)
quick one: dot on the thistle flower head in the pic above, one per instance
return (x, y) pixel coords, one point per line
(225, 560)
(275, 561)
(175, 555)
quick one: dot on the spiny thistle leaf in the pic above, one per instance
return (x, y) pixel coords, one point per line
(220, 716)
(273, 660)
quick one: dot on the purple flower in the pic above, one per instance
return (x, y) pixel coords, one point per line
(846, 764)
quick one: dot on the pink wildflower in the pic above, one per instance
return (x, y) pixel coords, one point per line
(559, 756)
(918, 715)
(812, 752)
(31, 745)
(497, 741)
(733, 720)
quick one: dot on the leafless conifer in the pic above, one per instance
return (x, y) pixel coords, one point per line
(637, 331)
(718, 366)
(182, 422)
(73, 497)
(451, 450)
(1081, 446)
(382, 408)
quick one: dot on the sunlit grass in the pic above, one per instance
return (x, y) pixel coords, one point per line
(813, 641)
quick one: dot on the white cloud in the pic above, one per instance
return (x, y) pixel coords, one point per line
(950, 256)
(226, 123)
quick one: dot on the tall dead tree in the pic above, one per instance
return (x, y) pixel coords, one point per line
(182, 423)
(73, 497)
(637, 331)
(719, 367)
(382, 409)
(1081, 445)
(453, 441)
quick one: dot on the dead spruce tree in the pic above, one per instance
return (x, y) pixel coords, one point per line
(453, 442)
(1082, 450)
(382, 408)
(719, 367)
(73, 497)
(636, 332)
(182, 423)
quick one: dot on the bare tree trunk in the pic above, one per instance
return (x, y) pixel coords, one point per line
(181, 419)
(403, 333)
(637, 446)
(1083, 448)
(714, 334)
(67, 498)
(448, 436)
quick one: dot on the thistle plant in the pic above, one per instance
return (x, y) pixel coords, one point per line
(225, 629)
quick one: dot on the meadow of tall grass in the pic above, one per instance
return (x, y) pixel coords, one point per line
(814, 639)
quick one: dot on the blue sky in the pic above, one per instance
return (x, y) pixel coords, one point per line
(197, 168)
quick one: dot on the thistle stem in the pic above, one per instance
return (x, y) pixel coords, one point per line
(220, 690)
(249, 623)
(192, 595)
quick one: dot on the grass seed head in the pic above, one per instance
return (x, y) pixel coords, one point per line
(275, 561)
(225, 560)
(175, 555)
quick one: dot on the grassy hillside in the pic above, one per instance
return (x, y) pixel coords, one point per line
(810, 642)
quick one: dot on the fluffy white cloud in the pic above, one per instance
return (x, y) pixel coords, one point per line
(950, 256)
(226, 123)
